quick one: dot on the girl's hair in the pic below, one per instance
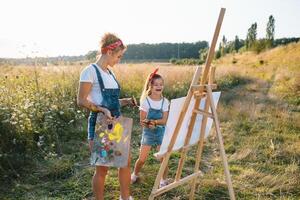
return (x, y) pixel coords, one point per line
(147, 87)
(110, 39)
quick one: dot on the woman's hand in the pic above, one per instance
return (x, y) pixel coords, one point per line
(133, 102)
(91, 144)
(128, 102)
(107, 114)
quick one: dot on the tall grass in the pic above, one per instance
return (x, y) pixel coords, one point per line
(44, 154)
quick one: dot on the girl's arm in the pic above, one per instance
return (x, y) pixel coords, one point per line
(162, 121)
(143, 116)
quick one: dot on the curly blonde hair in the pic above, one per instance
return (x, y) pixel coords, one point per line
(110, 38)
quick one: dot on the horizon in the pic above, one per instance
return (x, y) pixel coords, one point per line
(51, 29)
(49, 57)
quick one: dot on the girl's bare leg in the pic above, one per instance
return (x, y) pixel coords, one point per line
(144, 151)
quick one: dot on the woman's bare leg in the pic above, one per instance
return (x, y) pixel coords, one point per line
(124, 180)
(98, 182)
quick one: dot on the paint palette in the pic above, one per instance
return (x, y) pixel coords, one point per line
(111, 142)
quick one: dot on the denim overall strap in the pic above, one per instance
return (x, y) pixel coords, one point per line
(100, 80)
(114, 78)
(148, 102)
(99, 77)
(153, 136)
(110, 95)
(162, 104)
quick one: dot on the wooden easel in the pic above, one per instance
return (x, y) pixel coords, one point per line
(198, 91)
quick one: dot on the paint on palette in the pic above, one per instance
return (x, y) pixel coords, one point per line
(111, 142)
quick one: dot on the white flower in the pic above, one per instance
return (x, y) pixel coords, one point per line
(39, 144)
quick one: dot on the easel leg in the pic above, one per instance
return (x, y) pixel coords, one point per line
(160, 174)
(186, 142)
(190, 129)
(200, 147)
(222, 149)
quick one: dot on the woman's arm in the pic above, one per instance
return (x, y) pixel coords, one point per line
(125, 101)
(128, 101)
(84, 90)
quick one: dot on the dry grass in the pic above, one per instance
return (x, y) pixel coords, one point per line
(259, 114)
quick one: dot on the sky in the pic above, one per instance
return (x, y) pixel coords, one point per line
(65, 27)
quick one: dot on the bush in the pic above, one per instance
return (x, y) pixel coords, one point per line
(36, 116)
(230, 81)
(260, 45)
(186, 61)
(234, 61)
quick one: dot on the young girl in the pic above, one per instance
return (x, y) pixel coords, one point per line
(153, 117)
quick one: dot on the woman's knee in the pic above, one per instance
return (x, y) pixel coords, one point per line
(101, 171)
(129, 160)
(141, 161)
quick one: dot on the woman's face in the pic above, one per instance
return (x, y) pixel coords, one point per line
(157, 86)
(115, 57)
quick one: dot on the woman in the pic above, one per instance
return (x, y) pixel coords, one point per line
(99, 91)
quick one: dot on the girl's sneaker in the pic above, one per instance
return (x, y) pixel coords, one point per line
(134, 178)
(130, 198)
(163, 183)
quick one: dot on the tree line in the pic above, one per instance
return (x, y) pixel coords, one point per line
(195, 53)
(160, 51)
(176, 53)
(252, 43)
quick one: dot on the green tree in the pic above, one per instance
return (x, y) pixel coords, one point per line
(223, 46)
(251, 36)
(270, 31)
(218, 52)
(203, 54)
(91, 55)
(259, 46)
(237, 44)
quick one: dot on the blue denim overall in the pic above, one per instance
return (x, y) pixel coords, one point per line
(110, 101)
(153, 137)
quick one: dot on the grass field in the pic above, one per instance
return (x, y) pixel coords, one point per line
(44, 153)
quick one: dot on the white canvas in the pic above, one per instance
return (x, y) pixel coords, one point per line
(175, 109)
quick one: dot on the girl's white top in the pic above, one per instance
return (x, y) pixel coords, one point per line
(155, 104)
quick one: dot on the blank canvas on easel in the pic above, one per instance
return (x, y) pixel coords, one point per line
(175, 107)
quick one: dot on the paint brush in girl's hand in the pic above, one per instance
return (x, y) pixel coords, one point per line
(134, 102)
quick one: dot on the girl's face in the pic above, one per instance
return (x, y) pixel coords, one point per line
(157, 86)
(114, 57)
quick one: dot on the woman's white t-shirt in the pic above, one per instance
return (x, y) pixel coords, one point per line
(155, 105)
(89, 75)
